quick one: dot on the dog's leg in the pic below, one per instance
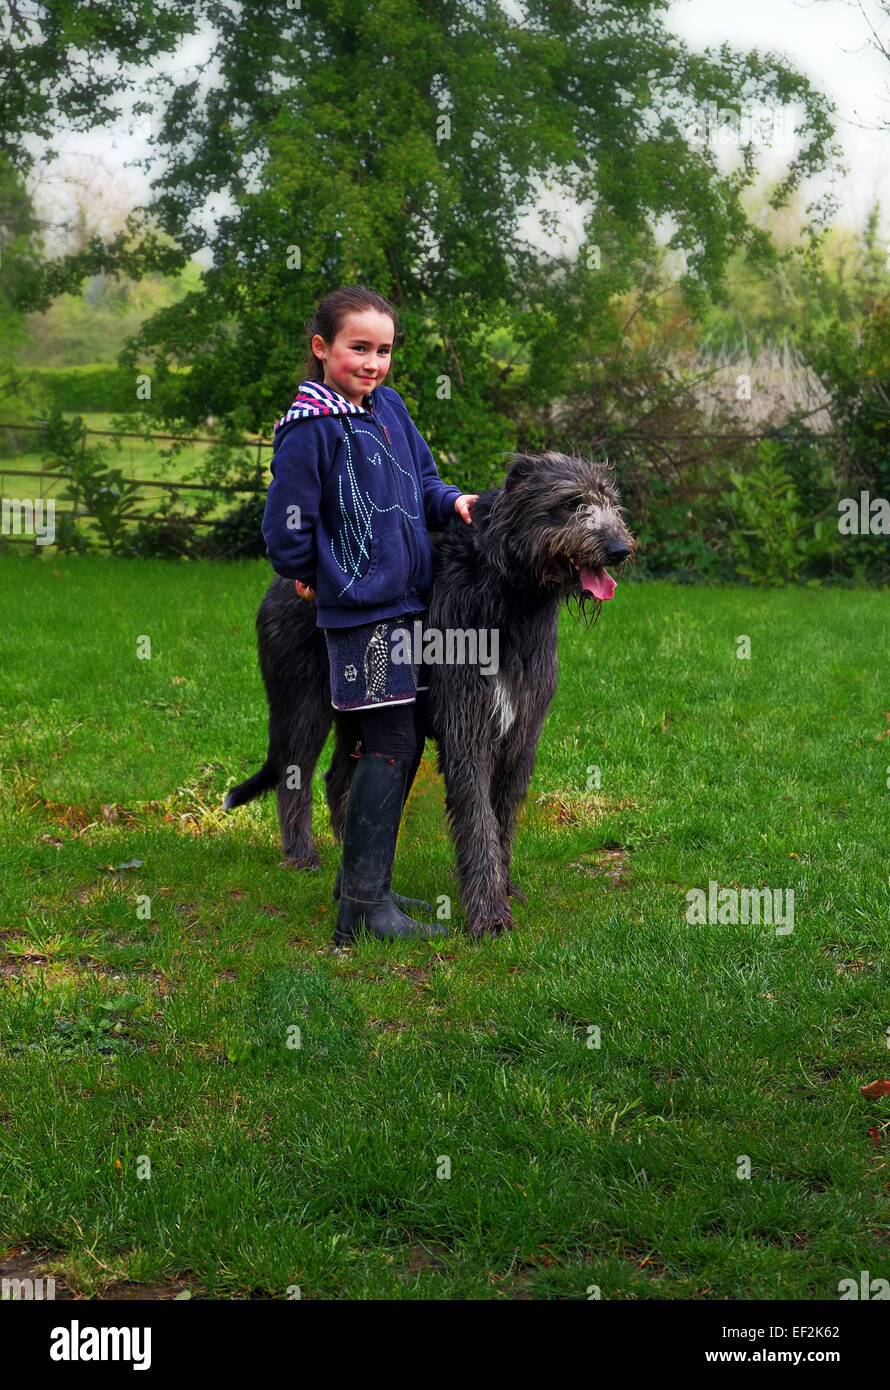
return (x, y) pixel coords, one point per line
(514, 765)
(510, 785)
(294, 664)
(338, 778)
(298, 736)
(476, 833)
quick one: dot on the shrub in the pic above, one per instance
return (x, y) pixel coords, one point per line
(105, 389)
(772, 543)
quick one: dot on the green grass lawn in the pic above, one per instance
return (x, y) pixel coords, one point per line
(445, 1129)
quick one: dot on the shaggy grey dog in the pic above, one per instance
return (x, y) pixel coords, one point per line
(542, 539)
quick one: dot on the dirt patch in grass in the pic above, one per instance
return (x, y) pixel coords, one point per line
(22, 1263)
(415, 973)
(421, 1258)
(846, 964)
(85, 816)
(560, 808)
(609, 864)
(192, 810)
(518, 1283)
(128, 1292)
(580, 1026)
(785, 1240)
(646, 1261)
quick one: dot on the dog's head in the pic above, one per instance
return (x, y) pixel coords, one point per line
(560, 524)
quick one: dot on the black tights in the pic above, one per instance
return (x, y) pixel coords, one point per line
(395, 731)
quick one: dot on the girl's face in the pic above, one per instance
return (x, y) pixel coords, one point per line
(359, 357)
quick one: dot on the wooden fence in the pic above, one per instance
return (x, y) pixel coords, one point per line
(48, 480)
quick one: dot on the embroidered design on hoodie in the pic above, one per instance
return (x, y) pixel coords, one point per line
(351, 547)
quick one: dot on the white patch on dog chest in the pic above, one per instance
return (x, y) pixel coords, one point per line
(504, 712)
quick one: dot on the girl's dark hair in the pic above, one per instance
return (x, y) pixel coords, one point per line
(328, 320)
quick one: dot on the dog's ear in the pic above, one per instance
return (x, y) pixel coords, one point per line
(523, 468)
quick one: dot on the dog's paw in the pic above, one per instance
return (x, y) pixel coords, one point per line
(491, 926)
(515, 892)
(310, 860)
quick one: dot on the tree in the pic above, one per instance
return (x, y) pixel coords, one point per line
(399, 144)
(68, 63)
(20, 246)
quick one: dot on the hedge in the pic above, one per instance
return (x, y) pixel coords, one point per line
(107, 389)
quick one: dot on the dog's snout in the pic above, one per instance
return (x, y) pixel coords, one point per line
(617, 553)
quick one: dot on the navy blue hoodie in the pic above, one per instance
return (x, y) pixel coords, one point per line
(367, 490)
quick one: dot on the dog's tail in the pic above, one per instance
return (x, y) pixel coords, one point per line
(254, 786)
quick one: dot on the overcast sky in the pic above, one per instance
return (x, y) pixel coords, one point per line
(826, 39)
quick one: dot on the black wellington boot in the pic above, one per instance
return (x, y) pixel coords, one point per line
(408, 905)
(373, 813)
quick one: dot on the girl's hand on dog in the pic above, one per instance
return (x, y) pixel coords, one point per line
(304, 591)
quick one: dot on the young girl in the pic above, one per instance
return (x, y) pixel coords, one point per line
(354, 488)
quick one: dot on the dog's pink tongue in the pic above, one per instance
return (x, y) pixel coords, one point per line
(599, 582)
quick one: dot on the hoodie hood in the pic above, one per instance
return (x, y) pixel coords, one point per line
(313, 398)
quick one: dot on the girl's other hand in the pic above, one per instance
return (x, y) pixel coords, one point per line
(304, 591)
(462, 506)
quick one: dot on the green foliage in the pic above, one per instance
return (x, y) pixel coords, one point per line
(87, 328)
(853, 362)
(93, 388)
(20, 246)
(239, 533)
(94, 490)
(170, 535)
(421, 194)
(103, 501)
(503, 345)
(67, 65)
(681, 542)
(797, 295)
(772, 544)
(19, 400)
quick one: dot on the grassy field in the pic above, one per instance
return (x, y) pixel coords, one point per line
(447, 1127)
